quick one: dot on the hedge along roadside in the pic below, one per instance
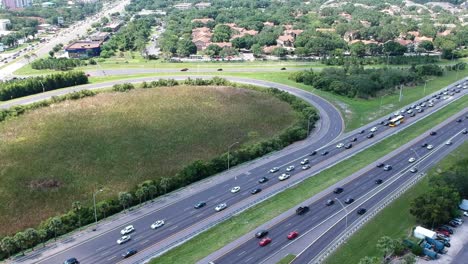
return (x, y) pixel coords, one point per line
(80, 215)
(34, 85)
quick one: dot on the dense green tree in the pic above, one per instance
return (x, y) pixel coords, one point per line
(125, 199)
(8, 245)
(185, 47)
(221, 33)
(394, 48)
(32, 237)
(358, 49)
(21, 241)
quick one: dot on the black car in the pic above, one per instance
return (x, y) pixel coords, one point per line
(420, 110)
(354, 139)
(382, 122)
(378, 181)
(129, 253)
(329, 202)
(349, 200)
(459, 120)
(362, 132)
(263, 180)
(412, 114)
(324, 153)
(71, 261)
(361, 211)
(465, 131)
(433, 133)
(338, 190)
(261, 233)
(220, 69)
(302, 210)
(256, 190)
(423, 145)
(313, 153)
(184, 69)
(380, 165)
(199, 205)
(371, 135)
(283, 69)
(348, 146)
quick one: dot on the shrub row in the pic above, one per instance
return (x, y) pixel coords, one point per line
(123, 87)
(61, 64)
(83, 215)
(19, 88)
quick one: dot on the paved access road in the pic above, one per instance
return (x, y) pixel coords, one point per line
(360, 189)
(182, 220)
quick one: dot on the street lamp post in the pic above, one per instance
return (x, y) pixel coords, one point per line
(417, 155)
(43, 89)
(346, 211)
(308, 125)
(424, 91)
(95, 210)
(229, 151)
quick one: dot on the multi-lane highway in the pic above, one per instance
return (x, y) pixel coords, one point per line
(181, 218)
(364, 190)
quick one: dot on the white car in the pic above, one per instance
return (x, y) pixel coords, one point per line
(340, 145)
(304, 161)
(235, 189)
(373, 129)
(157, 224)
(465, 213)
(123, 239)
(306, 167)
(430, 147)
(411, 160)
(284, 176)
(274, 169)
(290, 168)
(449, 142)
(127, 230)
(414, 170)
(220, 207)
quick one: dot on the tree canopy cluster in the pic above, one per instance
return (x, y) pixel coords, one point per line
(61, 64)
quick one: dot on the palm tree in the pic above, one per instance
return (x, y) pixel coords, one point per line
(386, 245)
(164, 183)
(77, 209)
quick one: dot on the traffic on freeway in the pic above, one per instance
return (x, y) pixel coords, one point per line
(214, 203)
(352, 195)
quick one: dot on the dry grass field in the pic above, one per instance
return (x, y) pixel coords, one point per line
(53, 156)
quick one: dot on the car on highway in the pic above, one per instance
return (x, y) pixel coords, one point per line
(129, 253)
(220, 207)
(284, 176)
(219, 69)
(302, 210)
(313, 153)
(348, 146)
(370, 135)
(235, 189)
(429, 147)
(304, 161)
(290, 168)
(264, 241)
(338, 190)
(283, 69)
(184, 69)
(324, 153)
(362, 132)
(433, 133)
(465, 131)
(448, 142)
(261, 233)
(349, 200)
(340, 145)
(354, 139)
(123, 239)
(263, 180)
(361, 211)
(274, 169)
(157, 224)
(373, 129)
(423, 145)
(387, 167)
(71, 261)
(306, 167)
(200, 205)
(380, 165)
(255, 191)
(127, 230)
(411, 160)
(329, 202)
(292, 235)
(414, 170)
(378, 181)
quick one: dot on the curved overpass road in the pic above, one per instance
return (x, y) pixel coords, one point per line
(183, 221)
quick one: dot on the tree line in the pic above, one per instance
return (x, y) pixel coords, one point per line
(33, 85)
(81, 215)
(60, 64)
(355, 81)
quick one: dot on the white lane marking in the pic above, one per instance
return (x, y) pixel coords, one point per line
(188, 208)
(99, 249)
(105, 252)
(144, 242)
(217, 200)
(242, 253)
(112, 258)
(288, 224)
(198, 215)
(247, 260)
(174, 227)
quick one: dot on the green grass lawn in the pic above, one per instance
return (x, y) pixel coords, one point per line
(394, 221)
(217, 237)
(53, 156)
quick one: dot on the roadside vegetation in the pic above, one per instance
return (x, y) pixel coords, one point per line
(217, 237)
(396, 221)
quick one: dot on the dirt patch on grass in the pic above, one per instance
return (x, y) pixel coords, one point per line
(44, 184)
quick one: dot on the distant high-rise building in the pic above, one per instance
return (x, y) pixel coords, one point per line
(12, 4)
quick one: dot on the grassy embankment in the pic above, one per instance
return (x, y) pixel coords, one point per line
(394, 221)
(56, 155)
(236, 226)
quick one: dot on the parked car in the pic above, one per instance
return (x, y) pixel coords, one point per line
(263, 180)
(157, 224)
(261, 233)
(123, 239)
(443, 232)
(265, 241)
(349, 200)
(453, 223)
(129, 253)
(447, 228)
(338, 190)
(255, 191)
(200, 205)
(127, 230)
(329, 202)
(361, 211)
(293, 235)
(302, 210)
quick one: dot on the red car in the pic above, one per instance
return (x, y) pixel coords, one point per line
(293, 235)
(443, 232)
(264, 241)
